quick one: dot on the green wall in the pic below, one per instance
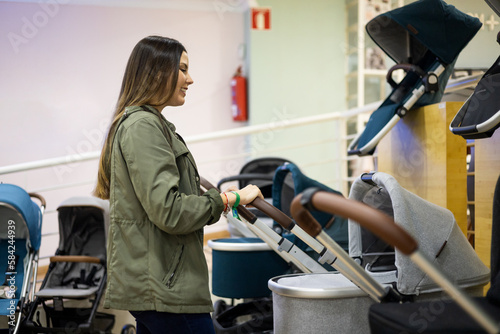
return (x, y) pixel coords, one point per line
(297, 69)
(482, 50)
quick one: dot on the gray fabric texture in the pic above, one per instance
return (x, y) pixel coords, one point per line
(431, 225)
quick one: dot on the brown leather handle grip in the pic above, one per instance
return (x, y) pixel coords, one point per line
(206, 184)
(242, 211)
(75, 258)
(40, 198)
(374, 220)
(273, 212)
(304, 218)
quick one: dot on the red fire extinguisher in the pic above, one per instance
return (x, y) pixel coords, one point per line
(239, 96)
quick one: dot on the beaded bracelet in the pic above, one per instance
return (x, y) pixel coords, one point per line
(227, 203)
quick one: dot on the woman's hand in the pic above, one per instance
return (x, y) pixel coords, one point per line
(247, 194)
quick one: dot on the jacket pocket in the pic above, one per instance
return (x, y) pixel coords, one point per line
(175, 267)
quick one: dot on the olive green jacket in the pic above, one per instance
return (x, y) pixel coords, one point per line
(155, 241)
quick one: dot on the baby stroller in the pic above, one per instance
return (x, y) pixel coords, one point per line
(390, 319)
(289, 176)
(71, 291)
(435, 229)
(479, 117)
(260, 172)
(424, 38)
(20, 237)
(242, 266)
(448, 316)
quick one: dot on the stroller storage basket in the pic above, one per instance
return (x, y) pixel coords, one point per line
(242, 267)
(318, 303)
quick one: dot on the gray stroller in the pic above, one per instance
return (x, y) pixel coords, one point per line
(435, 229)
(410, 317)
(72, 288)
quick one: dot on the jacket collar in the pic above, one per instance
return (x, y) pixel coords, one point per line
(131, 109)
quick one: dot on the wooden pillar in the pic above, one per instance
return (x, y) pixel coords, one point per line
(487, 161)
(427, 159)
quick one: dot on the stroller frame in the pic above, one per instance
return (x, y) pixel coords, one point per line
(17, 203)
(90, 215)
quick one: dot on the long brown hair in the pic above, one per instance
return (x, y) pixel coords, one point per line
(150, 76)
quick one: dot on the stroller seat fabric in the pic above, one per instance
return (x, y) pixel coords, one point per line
(73, 286)
(289, 176)
(85, 236)
(443, 315)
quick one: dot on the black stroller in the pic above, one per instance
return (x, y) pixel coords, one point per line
(479, 117)
(71, 291)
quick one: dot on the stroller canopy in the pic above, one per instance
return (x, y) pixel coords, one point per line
(423, 25)
(19, 199)
(424, 38)
(479, 117)
(432, 226)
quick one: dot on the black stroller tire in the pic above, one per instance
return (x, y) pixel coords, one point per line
(128, 329)
(219, 307)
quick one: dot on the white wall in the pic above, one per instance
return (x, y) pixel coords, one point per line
(61, 68)
(62, 65)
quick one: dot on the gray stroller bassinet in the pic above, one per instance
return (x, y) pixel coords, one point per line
(434, 227)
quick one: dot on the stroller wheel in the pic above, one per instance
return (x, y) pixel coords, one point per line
(128, 329)
(219, 307)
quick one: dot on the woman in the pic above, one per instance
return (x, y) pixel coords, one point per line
(156, 266)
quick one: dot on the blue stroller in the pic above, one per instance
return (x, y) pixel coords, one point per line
(424, 38)
(20, 238)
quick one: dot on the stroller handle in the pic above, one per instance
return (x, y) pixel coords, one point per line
(407, 68)
(76, 258)
(242, 211)
(40, 198)
(374, 220)
(271, 211)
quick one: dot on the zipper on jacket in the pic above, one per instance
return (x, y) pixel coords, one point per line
(172, 275)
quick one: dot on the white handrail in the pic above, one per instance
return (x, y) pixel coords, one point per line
(288, 123)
